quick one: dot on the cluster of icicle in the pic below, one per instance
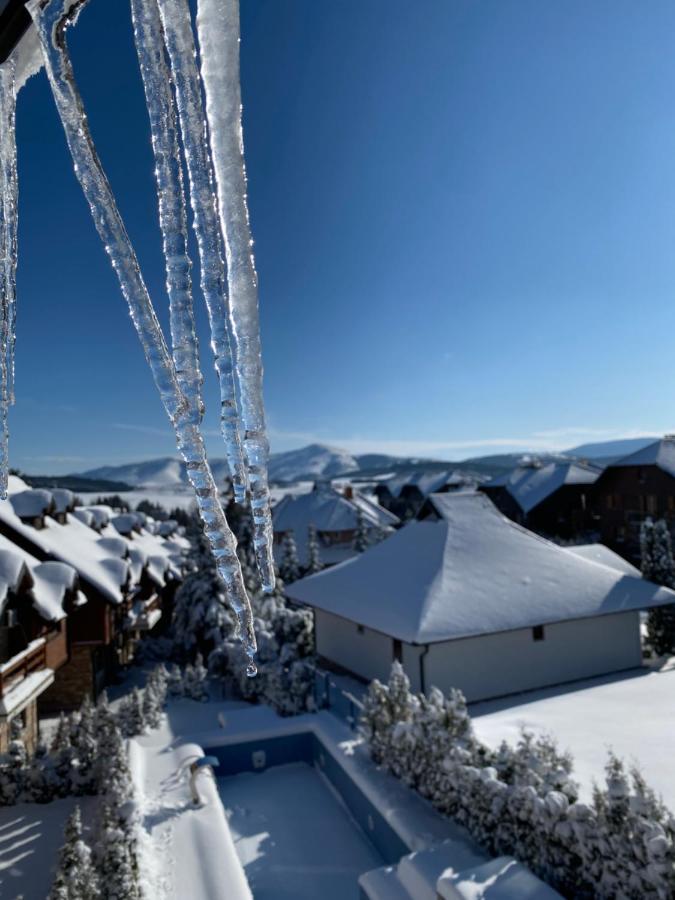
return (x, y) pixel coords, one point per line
(207, 139)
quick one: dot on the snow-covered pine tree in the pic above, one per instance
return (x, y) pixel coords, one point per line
(289, 565)
(40, 780)
(195, 681)
(201, 619)
(376, 723)
(12, 773)
(76, 878)
(154, 696)
(175, 682)
(85, 745)
(116, 858)
(314, 563)
(130, 717)
(361, 538)
(658, 566)
(65, 757)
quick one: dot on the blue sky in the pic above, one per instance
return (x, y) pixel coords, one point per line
(464, 215)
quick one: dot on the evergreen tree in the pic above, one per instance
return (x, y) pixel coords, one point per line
(41, 783)
(76, 877)
(116, 858)
(12, 773)
(658, 566)
(361, 538)
(314, 563)
(154, 696)
(201, 619)
(289, 566)
(85, 745)
(64, 756)
(130, 717)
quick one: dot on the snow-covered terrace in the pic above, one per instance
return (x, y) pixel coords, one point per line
(631, 714)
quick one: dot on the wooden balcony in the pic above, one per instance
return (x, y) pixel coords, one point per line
(21, 665)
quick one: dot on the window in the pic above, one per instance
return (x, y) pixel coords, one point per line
(651, 504)
(360, 629)
(538, 633)
(398, 650)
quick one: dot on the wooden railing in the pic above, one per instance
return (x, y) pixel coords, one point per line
(23, 664)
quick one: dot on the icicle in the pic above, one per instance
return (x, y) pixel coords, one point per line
(8, 255)
(172, 213)
(175, 17)
(218, 31)
(51, 21)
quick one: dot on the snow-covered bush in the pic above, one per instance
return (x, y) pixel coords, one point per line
(154, 696)
(130, 718)
(658, 566)
(522, 800)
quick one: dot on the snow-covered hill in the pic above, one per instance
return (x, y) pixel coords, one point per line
(313, 461)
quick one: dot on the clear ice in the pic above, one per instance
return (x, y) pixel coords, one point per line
(176, 31)
(218, 33)
(51, 21)
(8, 257)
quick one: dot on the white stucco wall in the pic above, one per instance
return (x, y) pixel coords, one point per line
(368, 654)
(492, 665)
(498, 664)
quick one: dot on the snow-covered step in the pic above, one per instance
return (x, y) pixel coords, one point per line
(499, 879)
(382, 884)
(419, 872)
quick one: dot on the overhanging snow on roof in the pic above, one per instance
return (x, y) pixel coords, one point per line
(531, 485)
(472, 573)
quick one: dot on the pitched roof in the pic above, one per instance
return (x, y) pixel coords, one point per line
(661, 454)
(328, 510)
(425, 481)
(76, 544)
(601, 554)
(530, 485)
(474, 572)
(49, 581)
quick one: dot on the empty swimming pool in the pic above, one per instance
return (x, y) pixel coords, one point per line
(294, 836)
(303, 827)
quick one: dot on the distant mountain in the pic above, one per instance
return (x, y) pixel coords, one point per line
(313, 461)
(606, 452)
(321, 461)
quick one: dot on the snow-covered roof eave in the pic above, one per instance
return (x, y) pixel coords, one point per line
(473, 573)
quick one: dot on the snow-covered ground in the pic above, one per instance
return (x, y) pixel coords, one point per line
(31, 835)
(317, 852)
(632, 714)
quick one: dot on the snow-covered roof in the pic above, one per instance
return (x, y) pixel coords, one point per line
(427, 482)
(473, 572)
(63, 499)
(661, 454)
(48, 581)
(530, 485)
(52, 581)
(31, 503)
(328, 510)
(84, 515)
(76, 544)
(601, 554)
(101, 515)
(126, 523)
